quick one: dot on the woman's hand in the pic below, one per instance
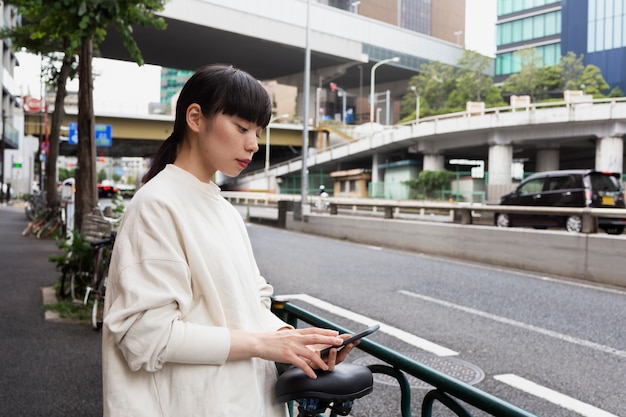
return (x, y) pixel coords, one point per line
(294, 346)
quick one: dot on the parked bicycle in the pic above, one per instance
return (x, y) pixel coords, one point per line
(97, 289)
(46, 222)
(85, 265)
(36, 205)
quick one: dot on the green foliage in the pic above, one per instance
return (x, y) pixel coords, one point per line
(592, 81)
(65, 173)
(102, 175)
(572, 69)
(429, 182)
(76, 254)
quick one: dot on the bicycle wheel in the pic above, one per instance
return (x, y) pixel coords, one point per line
(65, 281)
(78, 286)
(97, 310)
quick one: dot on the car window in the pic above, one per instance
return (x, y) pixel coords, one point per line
(532, 186)
(559, 183)
(603, 182)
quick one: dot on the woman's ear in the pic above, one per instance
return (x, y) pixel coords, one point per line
(194, 117)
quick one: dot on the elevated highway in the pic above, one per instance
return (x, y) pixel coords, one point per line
(268, 39)
(544, 136)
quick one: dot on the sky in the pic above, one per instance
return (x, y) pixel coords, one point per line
(128, 86)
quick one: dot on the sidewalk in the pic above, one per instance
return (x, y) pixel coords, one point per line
(47, 368)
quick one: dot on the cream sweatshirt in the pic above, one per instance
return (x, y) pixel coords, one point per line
(182, 275)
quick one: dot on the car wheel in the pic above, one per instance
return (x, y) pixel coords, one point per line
(502, 220)
(614, 230)
(574, 224)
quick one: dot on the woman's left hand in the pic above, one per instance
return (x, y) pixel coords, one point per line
(335, 356)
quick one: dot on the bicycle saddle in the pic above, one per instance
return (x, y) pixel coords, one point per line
(341, 386)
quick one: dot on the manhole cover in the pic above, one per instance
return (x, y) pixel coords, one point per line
(456, 368)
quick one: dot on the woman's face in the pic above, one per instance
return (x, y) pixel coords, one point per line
(222, 143)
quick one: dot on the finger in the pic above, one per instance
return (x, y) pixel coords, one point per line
(331, 359)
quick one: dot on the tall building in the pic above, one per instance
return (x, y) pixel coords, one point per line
(442, 19)
(595, 29)
(172, 81)
(12, 116)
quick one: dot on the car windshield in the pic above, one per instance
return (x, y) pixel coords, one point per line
(604, 182)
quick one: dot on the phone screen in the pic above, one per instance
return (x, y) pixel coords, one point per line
(351, 339)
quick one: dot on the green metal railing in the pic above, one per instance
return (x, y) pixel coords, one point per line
(447, 390)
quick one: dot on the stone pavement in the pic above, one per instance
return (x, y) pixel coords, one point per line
(47, 368)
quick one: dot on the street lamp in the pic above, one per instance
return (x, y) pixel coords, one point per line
(417, 103)
(372, 79)
(267, 146)
(458, 34)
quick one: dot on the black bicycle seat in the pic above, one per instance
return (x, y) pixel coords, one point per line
(345, 383)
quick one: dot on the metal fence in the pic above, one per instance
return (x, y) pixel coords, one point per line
(448, 391)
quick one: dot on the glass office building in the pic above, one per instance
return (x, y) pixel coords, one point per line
(595, 29)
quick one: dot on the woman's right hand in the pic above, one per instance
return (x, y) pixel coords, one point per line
(294, 346)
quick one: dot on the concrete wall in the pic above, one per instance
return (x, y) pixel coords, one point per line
(594, 257)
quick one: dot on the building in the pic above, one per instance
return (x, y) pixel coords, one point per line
(441, 19)
(13, 166)
(595, 29)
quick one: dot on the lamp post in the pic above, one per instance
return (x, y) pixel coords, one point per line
(267, 147)
(372, 79)
(458, 34)
(417, 103)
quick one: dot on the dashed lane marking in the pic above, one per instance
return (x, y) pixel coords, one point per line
(552, 396)
(409, 338)
(525, 326)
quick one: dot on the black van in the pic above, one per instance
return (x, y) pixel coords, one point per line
(571, 188)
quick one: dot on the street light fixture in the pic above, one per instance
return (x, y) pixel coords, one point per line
(417, 103)
(372, 79)
(267, 146)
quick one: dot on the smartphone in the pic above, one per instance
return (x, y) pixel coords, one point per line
(353, 338)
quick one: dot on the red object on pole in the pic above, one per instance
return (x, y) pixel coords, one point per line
(45, 118)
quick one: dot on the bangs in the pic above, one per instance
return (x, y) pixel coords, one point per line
(244, 97)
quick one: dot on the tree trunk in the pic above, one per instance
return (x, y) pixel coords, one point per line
(86, 180)
(55, 133)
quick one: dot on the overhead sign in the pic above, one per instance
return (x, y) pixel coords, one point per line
(104, 136)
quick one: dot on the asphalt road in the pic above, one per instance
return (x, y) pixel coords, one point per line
(517, 328)
(501, 325)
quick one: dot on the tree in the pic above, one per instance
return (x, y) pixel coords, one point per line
(528, 80)
(434, 84)
(428, 183)
(33, 36)
(592, 81)
(572, 70)
(471, 80)
(82, 25)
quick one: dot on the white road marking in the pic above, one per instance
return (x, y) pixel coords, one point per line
(530, 327)
(552, 396)
(390, 330)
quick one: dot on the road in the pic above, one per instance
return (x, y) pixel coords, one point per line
(553, 347)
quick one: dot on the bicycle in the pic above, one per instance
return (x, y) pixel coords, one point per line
(82, 266)
(335, 390)
(102, 249)
(35, 206)
(48, 222)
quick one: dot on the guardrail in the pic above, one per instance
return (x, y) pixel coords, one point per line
(447, 390)
(458, 212)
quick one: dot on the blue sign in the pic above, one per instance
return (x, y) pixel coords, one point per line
(104, 136)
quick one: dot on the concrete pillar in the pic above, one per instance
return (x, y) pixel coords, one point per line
(499, 169)
(610, 154)
(375, 169)
(433, 163)
(547, 160)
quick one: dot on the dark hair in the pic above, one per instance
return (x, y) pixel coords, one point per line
(217, 88)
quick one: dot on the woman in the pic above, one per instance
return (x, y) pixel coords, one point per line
(187, 329)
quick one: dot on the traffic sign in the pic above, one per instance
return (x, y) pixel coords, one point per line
(104, 136)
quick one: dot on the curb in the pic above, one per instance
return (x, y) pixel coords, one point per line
(49, 297)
